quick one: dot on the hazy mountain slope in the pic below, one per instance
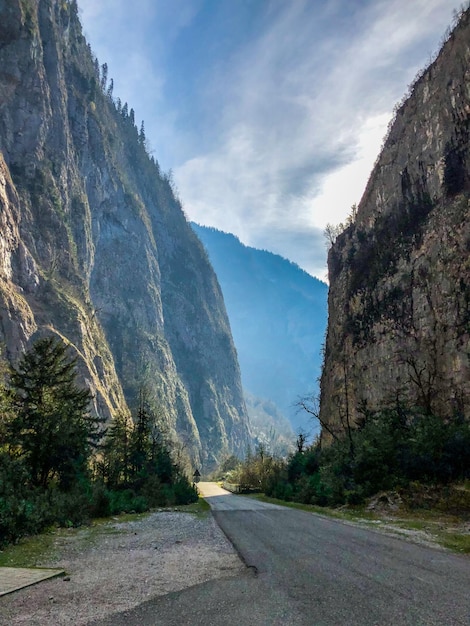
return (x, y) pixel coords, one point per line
(399, 302)
(278, 316)
(95, 247)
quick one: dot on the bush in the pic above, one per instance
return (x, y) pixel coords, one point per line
(68, 509)
(184, 492)
(127, 501)
(101, 501)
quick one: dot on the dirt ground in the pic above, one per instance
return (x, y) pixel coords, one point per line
(117, 565)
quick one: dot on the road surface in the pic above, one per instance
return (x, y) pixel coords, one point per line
(308, 570)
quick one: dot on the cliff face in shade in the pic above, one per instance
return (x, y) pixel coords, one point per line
(399, 300)
(95, 247)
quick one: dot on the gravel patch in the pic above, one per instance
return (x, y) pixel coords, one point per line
(116, 566)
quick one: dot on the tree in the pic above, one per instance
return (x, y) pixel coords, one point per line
(142, 134)
(331, 233)
(141, 438)
(104, 76)
(109, 93)
(52, 429)
(116, 451)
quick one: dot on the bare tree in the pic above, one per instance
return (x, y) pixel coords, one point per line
(311, 405)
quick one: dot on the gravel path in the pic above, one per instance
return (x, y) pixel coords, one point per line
(118, 565)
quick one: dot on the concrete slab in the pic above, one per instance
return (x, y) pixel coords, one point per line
(14, 578)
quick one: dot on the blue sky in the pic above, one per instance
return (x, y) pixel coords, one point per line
(270, 113)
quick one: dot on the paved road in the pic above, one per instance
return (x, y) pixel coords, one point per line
(307, 570)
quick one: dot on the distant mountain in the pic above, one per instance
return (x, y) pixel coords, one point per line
(269, 427)
(278, 315)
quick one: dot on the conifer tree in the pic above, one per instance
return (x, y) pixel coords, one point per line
(142, 134)
(109, 93)
(52, 429)
(104, 76)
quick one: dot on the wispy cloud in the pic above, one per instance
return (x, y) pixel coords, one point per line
(270, 113)
(304, 111)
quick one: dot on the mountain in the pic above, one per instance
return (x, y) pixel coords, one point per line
(277, 314)
(94, 245)
(399, 301)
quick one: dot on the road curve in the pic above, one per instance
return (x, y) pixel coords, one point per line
(309, 570)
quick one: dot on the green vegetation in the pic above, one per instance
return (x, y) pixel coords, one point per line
(34, 551)
(59, 466)
(418, 454)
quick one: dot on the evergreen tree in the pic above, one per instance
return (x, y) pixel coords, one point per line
(109, 93)
(142, 134)
(104, 76)
(51, 429)
(117, 450)
(141, 439)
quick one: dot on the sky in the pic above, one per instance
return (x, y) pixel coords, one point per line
(269, 113)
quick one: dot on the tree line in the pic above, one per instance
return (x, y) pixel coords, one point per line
(59, 464)
(397, 448)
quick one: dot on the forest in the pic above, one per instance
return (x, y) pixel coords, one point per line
(61, 465)
(400, 448)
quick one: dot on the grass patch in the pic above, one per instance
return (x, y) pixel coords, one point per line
(455, 541)
(30, 551)
(342, 513)
(203, 505)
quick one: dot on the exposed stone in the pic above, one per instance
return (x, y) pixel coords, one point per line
(399, 301)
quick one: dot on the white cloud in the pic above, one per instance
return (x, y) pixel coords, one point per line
(303, 121)
(345, 186)
(280, 133)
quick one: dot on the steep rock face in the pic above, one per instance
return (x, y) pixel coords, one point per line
(95, 247)
(399, 301)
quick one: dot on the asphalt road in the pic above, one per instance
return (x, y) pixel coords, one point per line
(305, 569)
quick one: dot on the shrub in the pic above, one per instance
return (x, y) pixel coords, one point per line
(184, 492)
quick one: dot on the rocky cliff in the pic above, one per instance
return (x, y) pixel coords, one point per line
(95, 247)
(399, 300)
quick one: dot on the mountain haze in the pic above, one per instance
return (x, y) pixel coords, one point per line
(94, 246)
(277, 314)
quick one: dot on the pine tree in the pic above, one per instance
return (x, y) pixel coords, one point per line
(142, 134)
(104, 76)
(117, 451)
(141, 438)
(109, 93)
(52, 429)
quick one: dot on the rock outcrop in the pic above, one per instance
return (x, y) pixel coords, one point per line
(399, 301)
(95, 247)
